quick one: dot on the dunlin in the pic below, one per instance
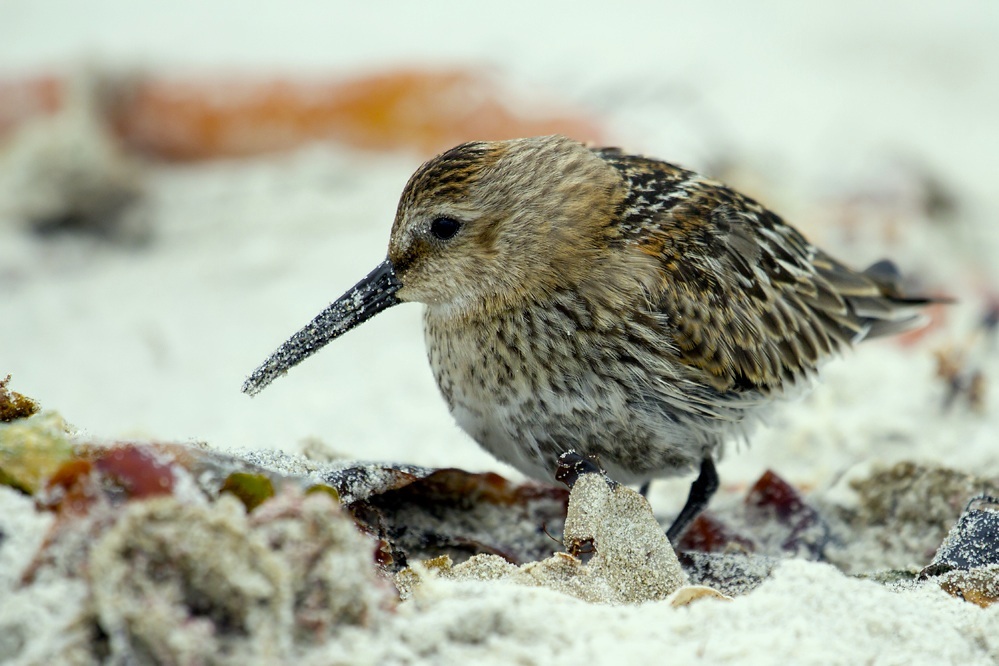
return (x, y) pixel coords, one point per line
(618, 306)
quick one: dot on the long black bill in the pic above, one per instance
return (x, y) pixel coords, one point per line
(374, 293)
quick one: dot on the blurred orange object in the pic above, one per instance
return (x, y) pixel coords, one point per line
(425, 111)
(22, 100)
(203, 118)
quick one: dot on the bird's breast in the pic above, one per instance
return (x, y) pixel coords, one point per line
(496, 370)
(531, 383)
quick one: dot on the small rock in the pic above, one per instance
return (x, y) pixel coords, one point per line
(630, 560)
(967, 562)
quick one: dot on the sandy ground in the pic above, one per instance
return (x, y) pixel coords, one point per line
(807, 105)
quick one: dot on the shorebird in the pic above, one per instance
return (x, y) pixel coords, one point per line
(630, 310)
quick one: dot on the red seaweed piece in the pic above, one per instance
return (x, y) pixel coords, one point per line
(137, 472)
(72, 488)
(708, 534)
(773, 500)
(774, 493)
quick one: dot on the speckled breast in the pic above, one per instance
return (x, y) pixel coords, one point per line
(530, 384)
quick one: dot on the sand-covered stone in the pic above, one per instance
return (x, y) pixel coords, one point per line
(629, 558)
(179, 582)
(329, 563)
(631, 551)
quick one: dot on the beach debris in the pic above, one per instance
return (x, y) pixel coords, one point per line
(251, 489)
(178, 582)
(628, 557)
(66, 173)
(357, 481)
(457, 513)
(710, 534)
(32, 449)
(630, 550)
(897, 516)
(794, 526)
(13, 405)
(690, 593)
(979, 586)
(185, 553)
(774, 520)
(136, 472)
(175, 581)
(967, 563)
(974, 539)
(184, 117)
(178, 570)
(412, 512)
(23, 100)
(965, 385)
(416, 109)
(328, 561)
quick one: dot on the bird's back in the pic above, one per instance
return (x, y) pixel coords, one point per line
(748, 303)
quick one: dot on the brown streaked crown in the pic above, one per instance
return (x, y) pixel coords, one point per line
(537, 215)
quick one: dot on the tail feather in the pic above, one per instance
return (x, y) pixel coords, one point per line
(889, 311)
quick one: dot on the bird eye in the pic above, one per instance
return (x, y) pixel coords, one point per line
(444, 228)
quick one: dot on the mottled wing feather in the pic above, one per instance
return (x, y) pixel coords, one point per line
(749, 304)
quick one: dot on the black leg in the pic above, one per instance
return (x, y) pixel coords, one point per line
(701, 490)
(644, 488)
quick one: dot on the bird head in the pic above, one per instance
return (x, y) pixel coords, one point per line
(480, 228)
(487, 225)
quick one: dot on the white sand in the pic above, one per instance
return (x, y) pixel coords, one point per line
(811, 98)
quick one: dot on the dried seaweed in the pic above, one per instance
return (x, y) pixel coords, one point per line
(13, 405)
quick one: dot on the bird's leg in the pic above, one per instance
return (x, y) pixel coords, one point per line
(644, 488)
(701, 490)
